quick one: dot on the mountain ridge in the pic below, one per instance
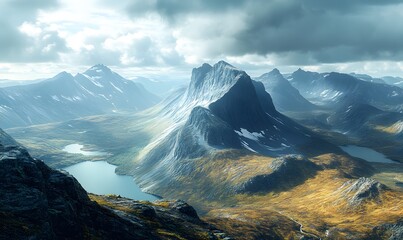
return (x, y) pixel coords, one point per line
(334, 89)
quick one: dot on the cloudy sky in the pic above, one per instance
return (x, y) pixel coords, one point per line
(166, 38)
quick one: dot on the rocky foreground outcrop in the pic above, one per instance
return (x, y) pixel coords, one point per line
(37, 202)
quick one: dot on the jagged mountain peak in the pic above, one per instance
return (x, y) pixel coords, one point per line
(222, 63)
(302, 73)
(275, 71)
(299, 74)
(198, 74)
(98, 70)
(217, 69)
(209, 83)
(63, 74)
(60, 77)
(100, 67)
(299, 71)
(102, 74)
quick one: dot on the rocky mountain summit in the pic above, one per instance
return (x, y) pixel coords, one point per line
(361, 190)
(38, 202)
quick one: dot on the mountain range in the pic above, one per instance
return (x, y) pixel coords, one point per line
(336, 89)
(396, 81)
(258, 158)
(96, 91)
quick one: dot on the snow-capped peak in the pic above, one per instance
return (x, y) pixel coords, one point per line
(98, 69)
(208, 83)
(224, 64)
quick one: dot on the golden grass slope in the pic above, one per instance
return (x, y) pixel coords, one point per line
(317, 204)
(319, 207)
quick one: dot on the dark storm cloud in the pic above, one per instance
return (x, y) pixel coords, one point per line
(15, 46)
(324, 31)
(173, 8)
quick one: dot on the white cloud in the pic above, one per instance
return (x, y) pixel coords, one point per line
(30, 29)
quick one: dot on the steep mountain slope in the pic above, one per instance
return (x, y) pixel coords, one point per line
(38, 202)
(336, 89)
(221, 110)
(5, 139)
(353, 117)
(284, 95)
(357, 116)
(96, 91)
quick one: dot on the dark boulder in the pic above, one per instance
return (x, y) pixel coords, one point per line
(185, 208)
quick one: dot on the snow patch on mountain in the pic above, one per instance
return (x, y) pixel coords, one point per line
(398, 127)
(250, 135)
(246, 145)
(94, 80)
(56, 98)
(120, 90)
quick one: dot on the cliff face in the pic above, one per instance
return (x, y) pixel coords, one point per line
(38, 202)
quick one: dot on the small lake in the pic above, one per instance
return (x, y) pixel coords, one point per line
(78, 149)
(367, 154)
(100, 178)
